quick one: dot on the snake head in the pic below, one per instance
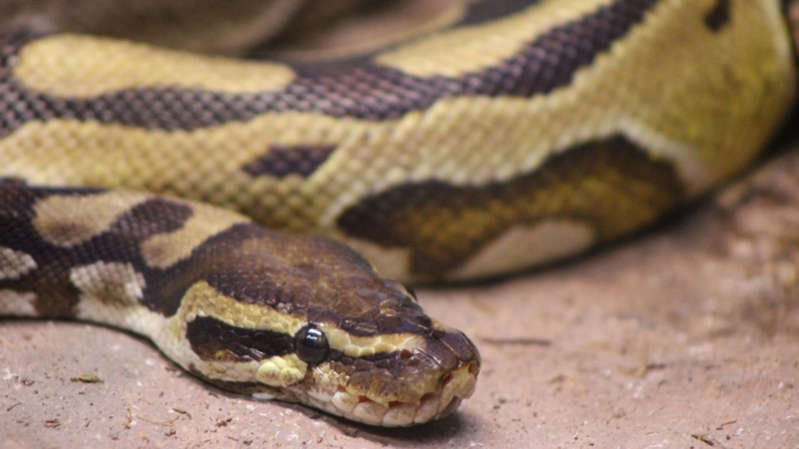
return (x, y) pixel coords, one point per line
(390, 365)
(308, 320)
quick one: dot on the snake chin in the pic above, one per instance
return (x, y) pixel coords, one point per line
(444, 400)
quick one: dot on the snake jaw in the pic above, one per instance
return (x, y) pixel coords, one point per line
(444, 396)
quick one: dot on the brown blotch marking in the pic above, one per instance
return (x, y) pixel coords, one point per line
(214, 340)
(16, 203)
(284, 160)
(155, 216)
(611, 185)
(718, 16)
(56, 300)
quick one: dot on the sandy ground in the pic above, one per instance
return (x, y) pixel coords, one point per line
(684, 337)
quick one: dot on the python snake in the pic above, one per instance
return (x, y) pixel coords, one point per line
(138, 182)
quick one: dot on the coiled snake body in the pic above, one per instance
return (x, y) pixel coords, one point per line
(519, 133)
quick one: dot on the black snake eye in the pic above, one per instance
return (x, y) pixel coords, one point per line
(311, 344)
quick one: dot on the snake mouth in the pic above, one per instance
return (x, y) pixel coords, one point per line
(452, 388)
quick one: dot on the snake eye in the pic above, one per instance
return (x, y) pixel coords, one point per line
(311, 344)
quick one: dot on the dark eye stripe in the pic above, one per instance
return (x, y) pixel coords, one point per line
(212, 339)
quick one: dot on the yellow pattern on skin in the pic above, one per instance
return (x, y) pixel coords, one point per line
(99, 65)
(68, 220)
(357, 346)
(472, 48)
(281, 370)
(14, 264)
(164, 250)
(748, 61)
(203, 300)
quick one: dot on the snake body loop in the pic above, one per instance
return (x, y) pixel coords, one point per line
(138, 181)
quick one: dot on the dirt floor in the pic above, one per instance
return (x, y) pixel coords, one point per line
(684, 337)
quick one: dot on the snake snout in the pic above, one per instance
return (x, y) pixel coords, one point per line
(457, 361)
(451, 349)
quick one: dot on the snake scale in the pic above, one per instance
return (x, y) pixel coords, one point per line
(192, 198)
